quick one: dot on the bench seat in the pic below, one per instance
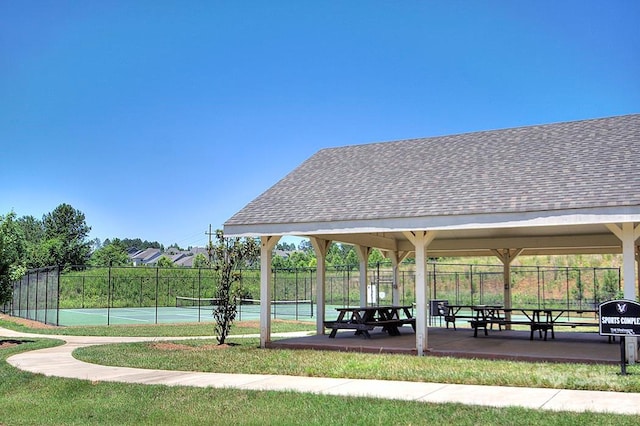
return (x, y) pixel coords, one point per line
(539, 326)
(348, 325)
(360, 328)
(452, 319)
(574, 324)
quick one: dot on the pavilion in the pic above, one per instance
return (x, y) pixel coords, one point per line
(562, 188)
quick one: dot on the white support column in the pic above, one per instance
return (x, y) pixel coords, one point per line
(420, 240)
(321, 247)
(628, 234)
(266, 247)
(507, 256)
(396, 258)
(638, 270)
(363, 255)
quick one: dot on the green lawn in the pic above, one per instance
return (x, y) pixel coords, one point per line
(185, 329)
(245, 357)
(35, 399)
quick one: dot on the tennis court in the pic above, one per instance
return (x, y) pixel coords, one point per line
(179, 314)
(113, 316)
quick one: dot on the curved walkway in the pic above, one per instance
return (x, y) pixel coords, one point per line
(58, 361)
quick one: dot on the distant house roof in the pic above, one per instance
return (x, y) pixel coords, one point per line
(544, 175)
(146, 256)
(196, 250)
(185, 261)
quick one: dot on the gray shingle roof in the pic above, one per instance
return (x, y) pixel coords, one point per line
(572, 165)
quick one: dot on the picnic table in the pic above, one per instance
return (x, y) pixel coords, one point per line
(467, 312)
(537, 319)
(362, 319)
(554, 317)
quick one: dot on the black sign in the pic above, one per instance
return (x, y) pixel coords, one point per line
(620, 318)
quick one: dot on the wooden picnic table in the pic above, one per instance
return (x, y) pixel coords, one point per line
(561, 317)
(466, 312)
(362, 319)
(537, 319)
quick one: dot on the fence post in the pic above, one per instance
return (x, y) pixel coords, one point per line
(109, 295)
(46, 297)
(157, 286)
(58, 298)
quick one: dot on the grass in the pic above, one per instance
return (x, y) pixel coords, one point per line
(183, 329)
(34, 399)
(30, 399)
(245, 357)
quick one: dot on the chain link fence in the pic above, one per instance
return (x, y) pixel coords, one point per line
(42, 293)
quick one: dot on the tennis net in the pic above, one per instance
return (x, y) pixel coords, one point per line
(279, 308)
(195, 302)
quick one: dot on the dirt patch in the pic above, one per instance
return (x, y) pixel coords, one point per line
(26, 322)
(4, 344)
(9, 343)
(170, 346)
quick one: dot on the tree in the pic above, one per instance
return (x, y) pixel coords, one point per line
(32, 228)
(33, 231)
(141, 245)
(306, 246)
(12, 251)
(229, 256)
(200, 261)
(280, 262)
(112, 254)
(47, 253)
(610, 286)
(285, 246)
(375, 257)
(68, 226)
(165, 262)
(578, 291)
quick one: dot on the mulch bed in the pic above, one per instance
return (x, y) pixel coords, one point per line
(8, 343)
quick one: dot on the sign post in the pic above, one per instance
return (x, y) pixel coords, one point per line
(620, 318)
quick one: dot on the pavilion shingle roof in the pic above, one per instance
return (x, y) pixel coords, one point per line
(571, 165)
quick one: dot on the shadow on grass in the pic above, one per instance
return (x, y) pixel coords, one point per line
(14, 342)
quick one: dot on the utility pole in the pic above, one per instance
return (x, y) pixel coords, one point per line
(210, 246)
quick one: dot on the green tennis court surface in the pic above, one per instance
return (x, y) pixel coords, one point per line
(152, 315)
(104, 316)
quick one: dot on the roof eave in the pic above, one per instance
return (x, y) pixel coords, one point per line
(600, 215)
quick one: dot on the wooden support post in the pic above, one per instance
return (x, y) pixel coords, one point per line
(321, 247)
(267, 245)
(420, 240)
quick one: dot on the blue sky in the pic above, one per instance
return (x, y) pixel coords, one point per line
(158, 118)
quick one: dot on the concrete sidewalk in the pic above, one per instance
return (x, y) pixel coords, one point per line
(58, 361)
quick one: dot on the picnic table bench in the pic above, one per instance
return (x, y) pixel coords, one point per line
(482, 317)
(537, 319)
(463, 312)
(365, 318)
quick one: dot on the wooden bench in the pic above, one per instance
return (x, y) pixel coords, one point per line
(533, 325)
(574, 324)
(361, 328)
(391, 326)
(410, 321)
(452, 319)
(479, 323)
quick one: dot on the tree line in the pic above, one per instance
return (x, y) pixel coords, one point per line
(60, 238)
